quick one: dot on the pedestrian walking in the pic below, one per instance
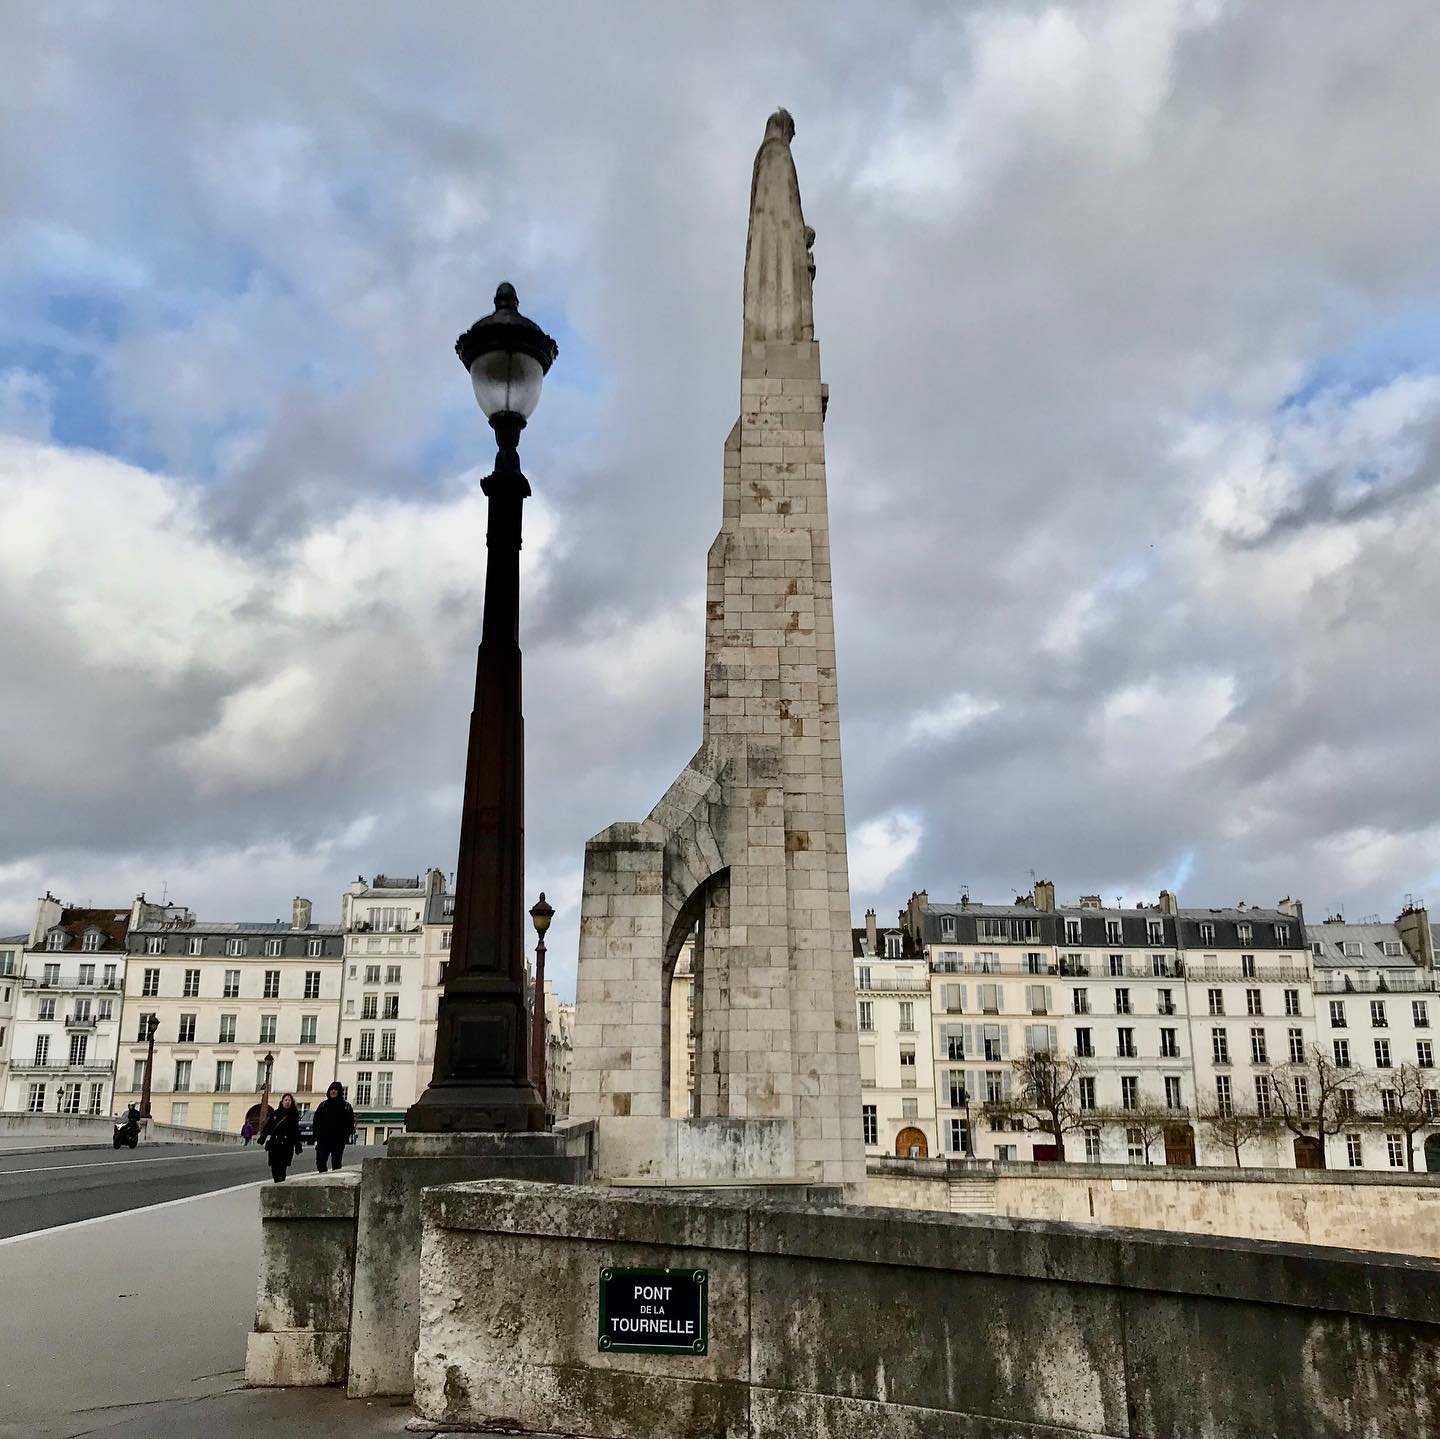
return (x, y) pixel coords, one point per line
(281, 1137)
(334, 1124)
(247, 1131)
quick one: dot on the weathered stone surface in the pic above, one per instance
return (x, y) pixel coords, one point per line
(749, 842)
(1388, 1213)
(844, 1322)
(385, 1317)
(307, 1260)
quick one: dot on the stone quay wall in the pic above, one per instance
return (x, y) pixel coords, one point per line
(845, 1322)
(1353, 1209)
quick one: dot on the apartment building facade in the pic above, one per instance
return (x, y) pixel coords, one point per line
(66, 1009)
(1103, 986)
(397, 945)
(1252, 1023)
(12, 952)
(892, 1007)
(1377, 1012)
(239, 1006)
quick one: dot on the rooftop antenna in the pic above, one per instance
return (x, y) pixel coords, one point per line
(164, 891)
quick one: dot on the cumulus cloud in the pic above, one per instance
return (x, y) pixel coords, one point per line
(1132, 511)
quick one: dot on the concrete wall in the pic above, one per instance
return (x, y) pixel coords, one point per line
(97, 1129)
(840, 1323)
(1397, 1213)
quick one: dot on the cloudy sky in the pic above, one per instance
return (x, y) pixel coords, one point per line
(1131, 318)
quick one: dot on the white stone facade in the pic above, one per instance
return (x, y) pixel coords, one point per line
(12, 954)
(66, 1006)
(397, 942)
(1377, 1011)
(897, 1069)
(227, 995)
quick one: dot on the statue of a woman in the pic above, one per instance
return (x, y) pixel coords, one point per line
(779, 267)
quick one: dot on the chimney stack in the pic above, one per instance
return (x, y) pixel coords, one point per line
(1168, 903)
(872, 933)
(1045, 896)
(300, 914)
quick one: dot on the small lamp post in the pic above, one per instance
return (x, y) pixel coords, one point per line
(269, 1063)
(152, 1023)
(481, 1079)
(969, 1132)
(540, 916)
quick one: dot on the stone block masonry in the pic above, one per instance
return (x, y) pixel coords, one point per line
(747, 848)
(307, 1263)
(843, 1322)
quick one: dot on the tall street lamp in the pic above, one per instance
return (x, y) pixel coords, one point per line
(540, 916)
(481, 1079)
(152, 1023)
(269, 1063)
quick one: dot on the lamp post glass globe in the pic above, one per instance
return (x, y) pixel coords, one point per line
(508, 357)
(541, 915)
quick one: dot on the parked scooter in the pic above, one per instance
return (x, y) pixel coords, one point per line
(127, 1130)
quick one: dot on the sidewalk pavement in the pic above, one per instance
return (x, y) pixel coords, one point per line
(134, 1325)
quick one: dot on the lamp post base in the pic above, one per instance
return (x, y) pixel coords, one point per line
(477, 1109)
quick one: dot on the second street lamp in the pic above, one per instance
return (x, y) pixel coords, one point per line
(541, 914)
(481, 1079)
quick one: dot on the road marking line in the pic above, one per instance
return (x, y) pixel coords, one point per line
(114, 1163)
(124, 1213)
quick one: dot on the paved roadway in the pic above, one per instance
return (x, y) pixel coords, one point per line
(40, 1190)
(130, 1320)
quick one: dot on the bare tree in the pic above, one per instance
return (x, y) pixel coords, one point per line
(1316, 1098)
(1235, 1128)
(1401, 1093)
(1045, 1097)
(1150, 1121)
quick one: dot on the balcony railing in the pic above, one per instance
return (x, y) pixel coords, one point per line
(1264, 974)
(90, 1066)
(894, 986)
(80, 1021)
(1400, 983)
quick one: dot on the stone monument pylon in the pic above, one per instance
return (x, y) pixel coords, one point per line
(747, 848)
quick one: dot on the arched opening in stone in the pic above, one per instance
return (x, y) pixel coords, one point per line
(678, 1029)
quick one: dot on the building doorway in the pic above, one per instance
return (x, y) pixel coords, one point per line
(1432, 1154)
(911, 1143)
(1180, 1145)
(1308, 1153)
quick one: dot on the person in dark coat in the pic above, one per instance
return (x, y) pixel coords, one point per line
(334, 1124)
(281, 1137)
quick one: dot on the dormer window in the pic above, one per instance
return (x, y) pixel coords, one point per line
(892, 946)
(1392, 948)
(93, 940)
(56, 939)
(1282, 935)
(1317, 948)
(1072, 931)
(1352, 949)
(947, 926)
(1243, 934)
(1207, 932)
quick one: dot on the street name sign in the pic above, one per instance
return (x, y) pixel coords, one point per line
(654, 1311)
